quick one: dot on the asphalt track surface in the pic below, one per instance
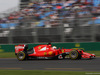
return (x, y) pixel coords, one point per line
(60, 65)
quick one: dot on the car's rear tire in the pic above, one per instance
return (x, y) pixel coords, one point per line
(21, 56)
(74, 54)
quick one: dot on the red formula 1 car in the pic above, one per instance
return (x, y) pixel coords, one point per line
(48, 52)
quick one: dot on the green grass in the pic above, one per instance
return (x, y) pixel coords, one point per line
(12, 54)
(31, 72)
(7, 55)
(97, 53)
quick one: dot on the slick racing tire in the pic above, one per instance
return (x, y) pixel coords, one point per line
(74, 54)
(21, 56)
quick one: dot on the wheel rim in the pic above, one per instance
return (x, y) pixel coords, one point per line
(20, 55)
(73, 54)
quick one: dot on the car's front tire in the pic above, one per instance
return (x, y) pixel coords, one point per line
(21, 56)
(74, 54)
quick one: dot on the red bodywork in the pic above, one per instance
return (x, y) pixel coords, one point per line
(48, 51)
(19, 48)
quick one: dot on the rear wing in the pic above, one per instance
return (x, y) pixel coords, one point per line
(19, 48)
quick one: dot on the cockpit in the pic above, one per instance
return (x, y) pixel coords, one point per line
(54, 47)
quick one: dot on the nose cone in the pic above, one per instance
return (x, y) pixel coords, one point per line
(93, 55)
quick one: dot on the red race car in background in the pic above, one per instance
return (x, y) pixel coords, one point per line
(48, 52)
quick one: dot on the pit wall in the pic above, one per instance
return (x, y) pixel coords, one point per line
(89, 46)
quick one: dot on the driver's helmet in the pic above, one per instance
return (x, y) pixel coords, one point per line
(54, 47)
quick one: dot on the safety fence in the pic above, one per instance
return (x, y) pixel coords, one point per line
(67, 30)
(89, 46)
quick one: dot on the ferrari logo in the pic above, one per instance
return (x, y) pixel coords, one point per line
(62, 51)
(39, 47)
(45, 53)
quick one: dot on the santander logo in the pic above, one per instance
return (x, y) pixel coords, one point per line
(19, 47)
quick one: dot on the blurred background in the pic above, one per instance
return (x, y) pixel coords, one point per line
(40, 21)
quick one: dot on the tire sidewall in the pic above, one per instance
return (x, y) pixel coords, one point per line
(23, 57)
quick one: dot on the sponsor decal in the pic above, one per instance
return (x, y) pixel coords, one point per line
(77, 45)
(62, 51)
(19, 47)
(42, 57)
(45, 53)
(60, 57)
(50, 53)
